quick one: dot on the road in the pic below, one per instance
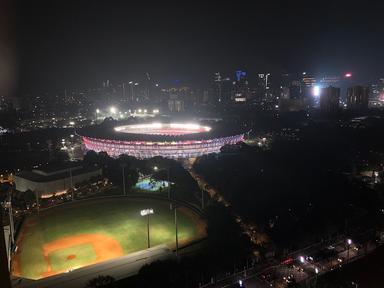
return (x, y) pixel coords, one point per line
(301, 267)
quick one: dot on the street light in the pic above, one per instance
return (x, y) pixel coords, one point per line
(113, 110)
(147, 212)
(349, 242)
(97, 114)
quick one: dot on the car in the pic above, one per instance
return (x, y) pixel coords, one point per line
(287, 261)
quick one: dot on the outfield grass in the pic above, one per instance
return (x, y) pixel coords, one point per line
(118, 218)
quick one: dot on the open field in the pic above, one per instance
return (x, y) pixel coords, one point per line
(86, 232)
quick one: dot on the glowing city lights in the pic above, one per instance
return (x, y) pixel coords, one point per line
(316, 91)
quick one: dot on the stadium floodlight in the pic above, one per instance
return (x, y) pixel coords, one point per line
(97, 110)
(147, 212)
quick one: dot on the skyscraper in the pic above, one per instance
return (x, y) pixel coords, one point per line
(329, 99)
(241, 91)
(262, 87)
(357, 97)
(377, 93)
(222, 88)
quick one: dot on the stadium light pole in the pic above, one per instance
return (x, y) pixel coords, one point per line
(147, 212)
(169, 189)
(11, 222)
(123, 171)
(202, 198)
(169, 183)
(37, 202)
(176, 234)
(71, 179)
(5, 280)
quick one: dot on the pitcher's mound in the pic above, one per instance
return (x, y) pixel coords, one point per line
(70, 257)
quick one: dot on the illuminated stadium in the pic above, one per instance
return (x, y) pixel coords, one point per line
(170, 140)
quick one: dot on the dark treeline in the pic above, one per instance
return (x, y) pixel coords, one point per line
(301, 191)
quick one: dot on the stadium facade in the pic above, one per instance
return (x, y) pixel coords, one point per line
(170, 140)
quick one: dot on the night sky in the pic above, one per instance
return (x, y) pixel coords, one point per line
(64, 44)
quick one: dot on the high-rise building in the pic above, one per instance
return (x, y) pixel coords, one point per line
(175, 104)
(357, 97)
(222, 88)
(376, 98)
(262, 88)
(308, 80)
(330, 81)
(329, 99)
(241, 91)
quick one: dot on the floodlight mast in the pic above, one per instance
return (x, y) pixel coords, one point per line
(147, 212)
(5, 280)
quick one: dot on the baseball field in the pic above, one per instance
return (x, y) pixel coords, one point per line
(78, 234)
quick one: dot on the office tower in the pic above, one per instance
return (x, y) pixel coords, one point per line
(329, 99)
(357, 98)
(241, 91)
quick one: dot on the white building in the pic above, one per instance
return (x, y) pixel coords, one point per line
(53, 179)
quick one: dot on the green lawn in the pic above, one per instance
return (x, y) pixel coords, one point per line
(118, 218)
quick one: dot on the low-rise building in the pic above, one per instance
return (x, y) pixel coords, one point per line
(54, 179)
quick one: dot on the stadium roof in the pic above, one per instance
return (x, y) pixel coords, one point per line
(106, 131)
(37, 177)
